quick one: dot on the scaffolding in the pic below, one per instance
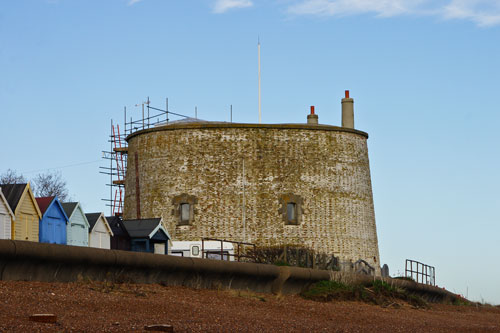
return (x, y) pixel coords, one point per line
(116, 157)
(116, 170)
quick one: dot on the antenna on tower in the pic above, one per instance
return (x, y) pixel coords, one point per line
(258, 48)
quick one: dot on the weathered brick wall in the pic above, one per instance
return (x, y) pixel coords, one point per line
(224, 165)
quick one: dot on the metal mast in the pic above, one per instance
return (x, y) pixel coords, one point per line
(260, 114)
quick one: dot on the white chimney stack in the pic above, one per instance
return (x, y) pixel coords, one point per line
(347, 111)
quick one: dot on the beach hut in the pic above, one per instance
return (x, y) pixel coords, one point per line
(120, 240)
(6, 217)
(53, 224)
(148, 235)
(24, 225)
(77, 230)
(100, 232)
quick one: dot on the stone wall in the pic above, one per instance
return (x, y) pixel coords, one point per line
(239, 176)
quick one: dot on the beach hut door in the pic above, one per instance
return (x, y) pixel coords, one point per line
(3, 218)
(160, 248)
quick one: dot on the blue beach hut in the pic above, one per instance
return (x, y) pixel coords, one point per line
(148, 235)
(52, 226)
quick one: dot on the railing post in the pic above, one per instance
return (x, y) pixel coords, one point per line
(202, 247)
(254, 253)
(238, 251)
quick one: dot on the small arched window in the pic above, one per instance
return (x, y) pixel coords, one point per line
(184, 208)
(291, 208)
(291, 212)
(185, 212)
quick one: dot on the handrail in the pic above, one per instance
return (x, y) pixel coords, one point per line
(422, 271)
(238, 255)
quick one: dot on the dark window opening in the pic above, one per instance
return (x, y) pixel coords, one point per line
(291, 212)
(217, 255)
(195, 251)
(141, 246)
(184, 209)
(291, 208)
(185, 212)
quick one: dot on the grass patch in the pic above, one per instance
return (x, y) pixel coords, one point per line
(329, 290)
(406, 278)
(378, 292)
(462, 301)
(281, 263)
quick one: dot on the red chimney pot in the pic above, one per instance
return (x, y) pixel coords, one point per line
(312, 109)
(347, 94)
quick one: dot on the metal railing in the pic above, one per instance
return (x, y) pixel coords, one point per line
(420, 273)
(223, 253)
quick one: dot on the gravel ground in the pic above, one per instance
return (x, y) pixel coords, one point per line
(102, 307)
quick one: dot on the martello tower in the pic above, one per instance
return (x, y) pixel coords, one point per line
(269, 184)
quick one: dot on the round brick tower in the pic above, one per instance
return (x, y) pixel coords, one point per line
(302, 184)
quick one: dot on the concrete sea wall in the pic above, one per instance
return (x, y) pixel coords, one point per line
(30, 261)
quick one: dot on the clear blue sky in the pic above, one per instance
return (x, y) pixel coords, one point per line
(424, 76)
